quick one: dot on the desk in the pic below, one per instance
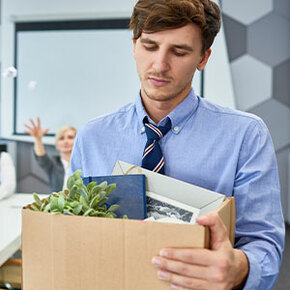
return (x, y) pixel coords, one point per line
(10, 223)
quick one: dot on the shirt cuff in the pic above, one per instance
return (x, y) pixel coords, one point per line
(253, 279)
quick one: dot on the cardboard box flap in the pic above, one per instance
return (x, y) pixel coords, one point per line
(171, 188)
(227, 212)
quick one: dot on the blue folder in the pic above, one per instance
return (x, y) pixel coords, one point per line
(130, 194)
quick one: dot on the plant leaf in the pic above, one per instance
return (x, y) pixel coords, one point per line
(61, 202)
(77, 174)
(83, 191)
(84, 203)
(102, 200)
(73, 192)
(70, 182)
(103, 184)
(53, 202)
(88, 211)
(77, 209)
(47, 208)
(94, 201)
(45, 202)
(37, 199)
(79, 199)
(113, 207)
(110, 188)
(91, 185)
(34, 207)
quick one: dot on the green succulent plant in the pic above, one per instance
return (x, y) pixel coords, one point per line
(79, 199)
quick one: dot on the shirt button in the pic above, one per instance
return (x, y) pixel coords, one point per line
(143, 129)
(176, 128)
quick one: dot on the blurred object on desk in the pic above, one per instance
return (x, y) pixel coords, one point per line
(10, 223)
(7, 175)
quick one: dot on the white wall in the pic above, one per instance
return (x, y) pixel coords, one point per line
(37, 10)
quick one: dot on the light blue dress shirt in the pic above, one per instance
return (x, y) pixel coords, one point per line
(217, 148)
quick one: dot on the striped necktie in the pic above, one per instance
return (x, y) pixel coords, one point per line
(153, 158)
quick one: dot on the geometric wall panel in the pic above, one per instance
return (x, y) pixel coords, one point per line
(236, 37)
(265, 34)
(282, 7)
(252, 82)
(267, 41)
(281, 82)
(277, 118)
(282, 158)
(247, 11)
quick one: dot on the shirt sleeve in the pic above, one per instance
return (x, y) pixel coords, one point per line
(260, 226)
(44, 162)
(75, 161)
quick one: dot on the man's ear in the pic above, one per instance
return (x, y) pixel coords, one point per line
(204, 60)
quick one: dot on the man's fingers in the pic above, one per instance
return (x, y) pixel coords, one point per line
(181, 282)
(181, 268)
(218, 230)
(202, 257)
(198, 268)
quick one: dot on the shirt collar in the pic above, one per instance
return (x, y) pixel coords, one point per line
(178, 116)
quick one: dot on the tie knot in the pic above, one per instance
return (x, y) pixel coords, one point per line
(154, 132)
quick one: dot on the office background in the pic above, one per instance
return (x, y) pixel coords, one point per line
(258, 44)
(257, 35)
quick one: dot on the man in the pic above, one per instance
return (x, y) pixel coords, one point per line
(213, 147)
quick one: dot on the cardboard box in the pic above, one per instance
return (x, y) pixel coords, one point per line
(61, 252)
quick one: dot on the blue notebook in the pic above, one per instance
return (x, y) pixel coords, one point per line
(130, 194)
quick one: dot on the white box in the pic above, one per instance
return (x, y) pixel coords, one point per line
(196, 199)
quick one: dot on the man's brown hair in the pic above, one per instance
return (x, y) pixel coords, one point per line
(158, 15)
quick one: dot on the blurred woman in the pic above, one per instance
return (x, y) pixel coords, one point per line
(56, 167)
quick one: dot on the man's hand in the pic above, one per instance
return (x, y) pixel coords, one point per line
(221, 267)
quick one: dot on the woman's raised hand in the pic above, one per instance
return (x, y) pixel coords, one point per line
(34, 129)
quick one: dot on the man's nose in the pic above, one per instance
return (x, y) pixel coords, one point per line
(161, 62)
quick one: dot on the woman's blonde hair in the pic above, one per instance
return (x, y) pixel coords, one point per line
(63, 129)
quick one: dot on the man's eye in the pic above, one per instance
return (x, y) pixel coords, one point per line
(177, 53)
(150, 48)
